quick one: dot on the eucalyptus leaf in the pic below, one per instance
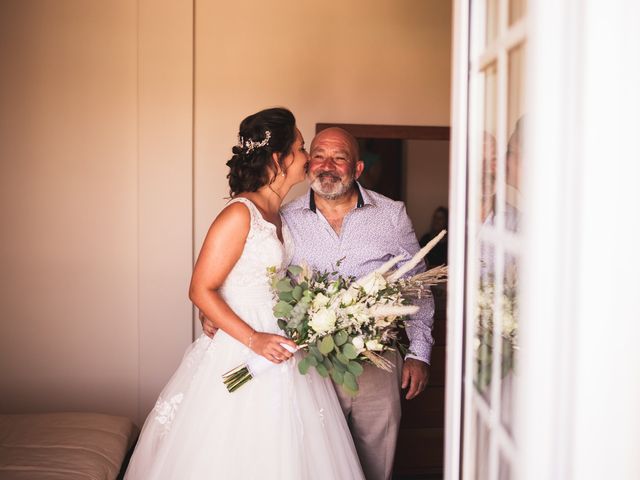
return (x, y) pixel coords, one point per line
(316, 353)
(295, 270)
(297, 293)
(327, 364)
(348, 391)
(340, 338)
(355, 368)
(282, 324)
(284, 285)
(350, 381)
(282, 309)
(349, 351)
(311, 360)
(337, 364)
(322, 371)
(337, 377)
(303, 366)
(305, 301)
(285, 296)
(342, 359)
(326, 345)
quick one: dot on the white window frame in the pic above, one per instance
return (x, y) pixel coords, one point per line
(471, 57)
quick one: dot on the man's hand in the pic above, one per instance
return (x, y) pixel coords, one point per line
(415, 375)
(208, 327)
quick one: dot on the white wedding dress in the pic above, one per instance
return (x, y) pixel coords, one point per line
(280, 425)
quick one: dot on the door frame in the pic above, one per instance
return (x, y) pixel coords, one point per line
(454, 415)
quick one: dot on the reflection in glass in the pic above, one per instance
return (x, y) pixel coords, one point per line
(510, 316)
(515, 91)
(517, 9)
(482, 450)
(483, 341)
(515, 122)
(488, 173)
(492, 20)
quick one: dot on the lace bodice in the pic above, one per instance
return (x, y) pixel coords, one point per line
(262, 250)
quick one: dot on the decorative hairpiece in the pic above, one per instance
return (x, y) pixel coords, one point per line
(250, 145)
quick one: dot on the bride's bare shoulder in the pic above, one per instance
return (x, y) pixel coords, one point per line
(235, 215)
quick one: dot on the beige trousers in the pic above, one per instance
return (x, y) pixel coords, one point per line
(374, 417)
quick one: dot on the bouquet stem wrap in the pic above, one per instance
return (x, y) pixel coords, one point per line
(257, 364)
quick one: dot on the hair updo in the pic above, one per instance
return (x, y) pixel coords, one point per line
(252, 160)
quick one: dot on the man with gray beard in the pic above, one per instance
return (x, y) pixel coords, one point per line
(339, 219)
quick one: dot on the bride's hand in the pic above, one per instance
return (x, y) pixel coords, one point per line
(208, 327)
(269, 346)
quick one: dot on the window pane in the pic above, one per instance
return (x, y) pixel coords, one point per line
(482, 450)
(515, 134)
(485, 304)
(488, 152)
(517, 10)
(510, 316)
(505, 469)
(491, 20)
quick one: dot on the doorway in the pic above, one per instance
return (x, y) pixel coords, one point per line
(411, 164)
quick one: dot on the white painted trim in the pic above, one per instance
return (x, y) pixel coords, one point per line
(516, 34)
(457, 243)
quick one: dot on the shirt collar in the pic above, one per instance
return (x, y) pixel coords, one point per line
(363, 199)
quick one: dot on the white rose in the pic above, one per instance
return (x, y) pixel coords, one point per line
(347, 297)
(320, 301)
(374, 345)
(374, 284)
(358, 343)
(323, 320)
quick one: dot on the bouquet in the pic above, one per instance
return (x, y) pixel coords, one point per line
(341, 323)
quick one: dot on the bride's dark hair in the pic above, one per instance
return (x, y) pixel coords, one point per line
(261, 134)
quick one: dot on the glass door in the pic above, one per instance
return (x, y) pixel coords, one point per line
(496, 121)
(489, 142)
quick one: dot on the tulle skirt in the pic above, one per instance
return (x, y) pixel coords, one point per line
(280, 425)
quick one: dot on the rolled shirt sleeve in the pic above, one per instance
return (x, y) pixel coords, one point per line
(420, 325)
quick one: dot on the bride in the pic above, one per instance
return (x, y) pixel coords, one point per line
(281, 425)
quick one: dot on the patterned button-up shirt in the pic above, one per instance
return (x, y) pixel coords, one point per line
(372, 233)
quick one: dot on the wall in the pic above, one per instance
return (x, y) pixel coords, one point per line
(95, 166)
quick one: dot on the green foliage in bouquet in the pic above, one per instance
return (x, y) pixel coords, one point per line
(335, 322)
